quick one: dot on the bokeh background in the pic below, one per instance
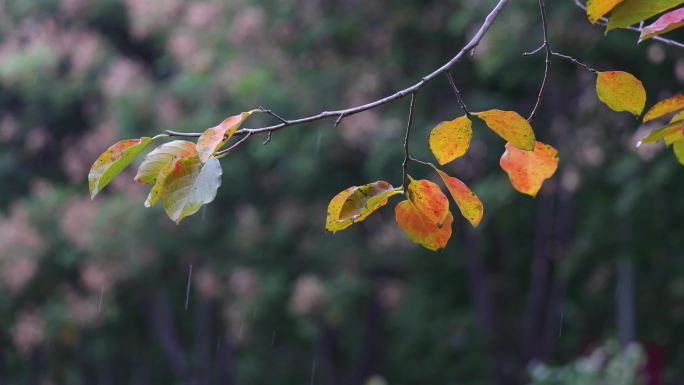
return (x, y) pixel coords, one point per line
(582, 285)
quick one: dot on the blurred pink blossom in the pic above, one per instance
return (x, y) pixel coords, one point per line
(28, 331)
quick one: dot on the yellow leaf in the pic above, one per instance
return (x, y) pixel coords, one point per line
(528, 170)
(212, 139)
(679, 151)
(468, 203)
(421, 230)
(597, 8)
(356, 203)
(664, 107)
(450, 140)
(621, 91)
(510, 126)
(428, 198)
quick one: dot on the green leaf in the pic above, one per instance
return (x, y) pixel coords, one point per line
(114, 160)
(662, 132)
(633, 11)
(190, 185)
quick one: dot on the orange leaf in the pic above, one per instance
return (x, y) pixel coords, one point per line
(212, 139)
(450, 140)
(528, 170)
(429, 200)
(468, 203)
(510, 126)
(597, 8)
(356, 203)
(421, 230)
(664, 107)
(621, 91)
(665, 23)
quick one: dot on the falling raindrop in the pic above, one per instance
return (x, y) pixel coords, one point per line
(639, 143)
(273, 338)
(560, 328)
(318, 143)
(313, 372)
(99, 303)
(187, 288)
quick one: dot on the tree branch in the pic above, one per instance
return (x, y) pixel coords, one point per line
(547, 62)
(339, 114)
(574, 61)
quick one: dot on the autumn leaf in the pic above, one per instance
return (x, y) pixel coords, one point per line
(678, 148)
(528, 170)
(450, 140)
(212, 139)
(157, 190)
(421, 230)
(621, 91)
(429, 199)
(510, 126)
(597, 8)
(664, 107)
(671, 138)
(190, 185)
(633, 11)
(665, 23)
(663, 132)
(356, 203)
(468, 203)
(161, 156)
(114, 160)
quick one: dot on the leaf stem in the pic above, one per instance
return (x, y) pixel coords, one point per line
(409, 123)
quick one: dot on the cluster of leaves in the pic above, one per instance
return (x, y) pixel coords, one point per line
(624, 13)
(186, 175)
(183, 175)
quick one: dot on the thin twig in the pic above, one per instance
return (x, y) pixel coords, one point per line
(268, 138)
(409, 123)
(574, 61)
(535, 51)
(458, 93)
(604, 21)
(234, 146)
(547, 62)
(273, 114)
(486, 25)
(412, 159)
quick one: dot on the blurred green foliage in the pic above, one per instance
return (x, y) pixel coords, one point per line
(94, 292)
